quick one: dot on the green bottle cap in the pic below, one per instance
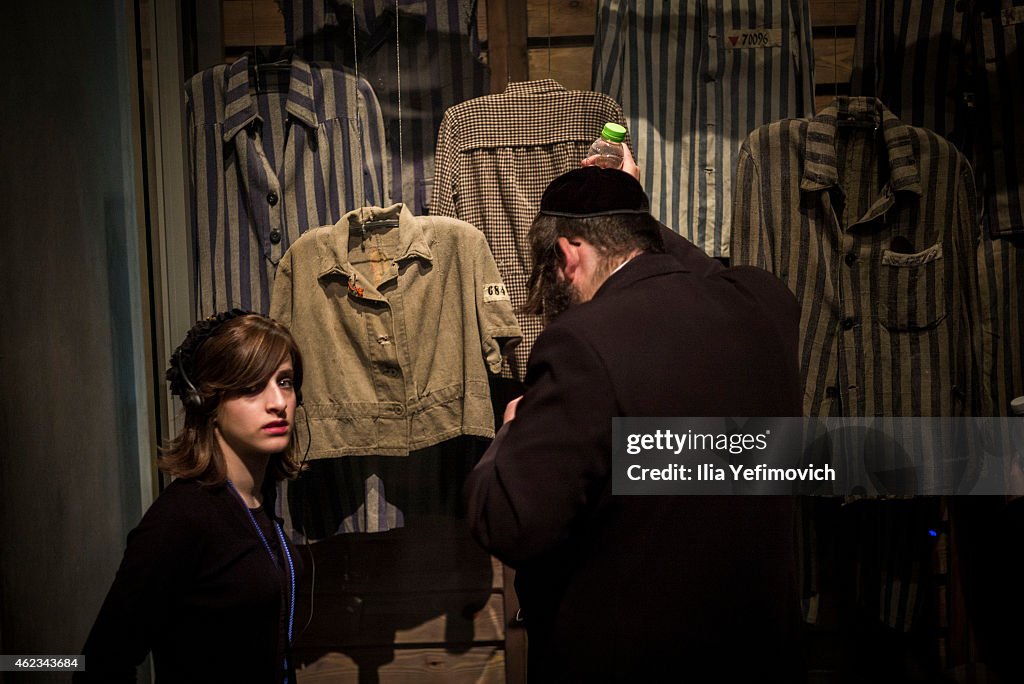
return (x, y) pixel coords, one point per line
(613, 132)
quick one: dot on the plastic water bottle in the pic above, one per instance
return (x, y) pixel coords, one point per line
(608, 147)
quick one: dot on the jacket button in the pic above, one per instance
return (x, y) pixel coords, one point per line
(848, 323)
(399, 410)
(271, 198)
(275, 236)
(850, 258)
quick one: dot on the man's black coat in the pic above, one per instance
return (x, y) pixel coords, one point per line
(659, 588)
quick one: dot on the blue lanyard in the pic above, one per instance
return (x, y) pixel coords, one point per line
(273, 559)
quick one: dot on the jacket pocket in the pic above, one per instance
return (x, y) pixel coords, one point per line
(912, 290)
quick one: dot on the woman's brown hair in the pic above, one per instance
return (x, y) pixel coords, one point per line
(241, 353)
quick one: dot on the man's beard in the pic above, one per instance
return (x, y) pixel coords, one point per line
(559, 295)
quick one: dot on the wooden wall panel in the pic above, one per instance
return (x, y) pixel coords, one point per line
(260, 22)
(375, 626)
(822, 101)
(252, 22)
(561, 17)
(480, 665)
(835, 12)
(570, 66)
(833, 60)
(507, 38)
(401, 599)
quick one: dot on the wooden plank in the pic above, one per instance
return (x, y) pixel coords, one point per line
(835, 12)
(561, 17)
(578, 17)
(833, 59)
(425, 584)
(482, 665)
(487, 624)
(506, 45)
(437, 555)
(515, 634)
(252, 22)
(570, 66)
(498, 576)
(822, 101)
(343, 621)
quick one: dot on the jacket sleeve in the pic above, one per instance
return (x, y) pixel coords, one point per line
(981, 396)
(445, 191)
(499, 329)
(546, 469)
(749, 243)
(281, 293)
(161, 553)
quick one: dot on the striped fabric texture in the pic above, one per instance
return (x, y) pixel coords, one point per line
(965, 69)
(422, 57)
(694, 78)
(268, 166)
(957, 54)
(872, 224)
(998, 36)
(1001, 273)
(998, 43)
(909, 54)
(495, 156)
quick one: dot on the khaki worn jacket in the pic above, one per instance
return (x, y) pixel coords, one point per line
(399, 319)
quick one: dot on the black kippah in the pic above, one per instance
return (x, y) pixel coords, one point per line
(593, 191)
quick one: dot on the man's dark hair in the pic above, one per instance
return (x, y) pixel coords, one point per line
(613, 236)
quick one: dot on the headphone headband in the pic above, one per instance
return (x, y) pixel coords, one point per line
(183, 358)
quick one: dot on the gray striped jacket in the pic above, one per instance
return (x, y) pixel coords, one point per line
(880, 252)
(422, 56)
(694, 78)
(267, 167)
(964, 64)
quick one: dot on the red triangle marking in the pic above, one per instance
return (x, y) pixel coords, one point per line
(733, 39)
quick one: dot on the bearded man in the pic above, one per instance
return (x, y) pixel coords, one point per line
(640, 588)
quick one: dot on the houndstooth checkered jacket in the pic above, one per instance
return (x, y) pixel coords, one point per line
(495, 156)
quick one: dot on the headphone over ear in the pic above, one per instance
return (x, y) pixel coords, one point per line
(184, 358)
(191, 396)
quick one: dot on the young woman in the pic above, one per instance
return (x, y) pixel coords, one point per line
(207, 583)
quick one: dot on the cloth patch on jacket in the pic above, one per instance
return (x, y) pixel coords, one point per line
(753, 38)
(495, 292)
(933, 253)
(1012, 16)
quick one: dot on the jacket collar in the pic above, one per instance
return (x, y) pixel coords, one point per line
(240, 106)
(538, 87)
(640, 267)
(819, 152)
(412, 242)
